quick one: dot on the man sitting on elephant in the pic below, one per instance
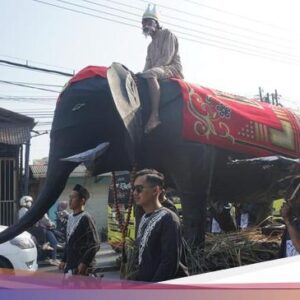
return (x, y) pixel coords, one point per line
(162, 61)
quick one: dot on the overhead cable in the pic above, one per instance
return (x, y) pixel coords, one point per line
(201, 32)
(276, 42)
(27, 86)
(209, 42)
(273, 25)
(35, 68)
(234, 26)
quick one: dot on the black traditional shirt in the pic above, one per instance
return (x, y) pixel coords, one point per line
(159, 246)
(82, 241)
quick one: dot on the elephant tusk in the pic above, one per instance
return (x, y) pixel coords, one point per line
(88, 155)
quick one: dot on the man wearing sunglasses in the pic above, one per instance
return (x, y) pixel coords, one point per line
(159, 237)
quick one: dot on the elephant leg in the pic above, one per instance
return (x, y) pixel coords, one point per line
(194, 218)
(189, 168)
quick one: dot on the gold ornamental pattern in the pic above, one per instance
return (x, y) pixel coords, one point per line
(209, 121)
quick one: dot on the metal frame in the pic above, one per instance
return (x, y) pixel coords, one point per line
(8, 190)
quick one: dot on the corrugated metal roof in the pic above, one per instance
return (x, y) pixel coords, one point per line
(14, 136)
(40, 171)
(14, 128)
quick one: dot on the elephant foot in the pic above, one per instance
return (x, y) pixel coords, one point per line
(151, 124)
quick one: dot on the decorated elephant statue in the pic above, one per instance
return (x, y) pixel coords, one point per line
(202, 132)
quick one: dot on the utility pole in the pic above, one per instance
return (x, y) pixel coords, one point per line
(273, 98)
(26, 179)
(26, 167)
(266, 98)
(260, 94)
(276, 97)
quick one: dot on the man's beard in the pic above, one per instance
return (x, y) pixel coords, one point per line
(148, 30)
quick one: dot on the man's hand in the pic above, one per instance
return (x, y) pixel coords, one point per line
(61, 265)
(82, 269)
(286, 213)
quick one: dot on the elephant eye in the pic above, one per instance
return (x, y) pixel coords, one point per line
(78, 106)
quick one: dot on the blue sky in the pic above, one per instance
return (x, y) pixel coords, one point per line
(69, 41)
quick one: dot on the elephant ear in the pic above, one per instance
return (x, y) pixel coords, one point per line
(126, 98)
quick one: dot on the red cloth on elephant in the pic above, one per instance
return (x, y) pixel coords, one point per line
(239, 124)
(229, 121)
(89, 71)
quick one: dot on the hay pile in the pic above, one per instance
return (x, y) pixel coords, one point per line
(222, 251)
(228, 250)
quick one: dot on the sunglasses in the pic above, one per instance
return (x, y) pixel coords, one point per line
(139, 188)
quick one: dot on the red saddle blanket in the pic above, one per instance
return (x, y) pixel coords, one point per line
(239, 124)
(231, 122)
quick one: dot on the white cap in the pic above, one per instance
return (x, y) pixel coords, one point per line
(151, 12)
(25, 199)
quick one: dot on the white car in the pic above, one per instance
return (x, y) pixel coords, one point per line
(19, 253)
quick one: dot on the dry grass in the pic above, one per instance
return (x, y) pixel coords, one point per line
(222, 251)
(228, 250)
(129, 267)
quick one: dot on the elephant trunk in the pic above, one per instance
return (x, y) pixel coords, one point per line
(57, 175)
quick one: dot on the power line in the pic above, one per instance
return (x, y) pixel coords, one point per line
(247, 29)
(27, 86)
(213, 43)
(238, 15)
(265, 51)
(48, 101)
(88, 14)
(36, 62)
(39, 84)
(26, 66)
(102, 5)
(38, 112)
(240, 51)
(187, 28)
(218, 29)
(35, 97)
(41, 112)
(9, 66)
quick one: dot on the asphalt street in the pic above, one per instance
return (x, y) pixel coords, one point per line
(105, 259)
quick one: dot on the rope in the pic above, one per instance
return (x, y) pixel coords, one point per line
(124, 226)
(116, 203)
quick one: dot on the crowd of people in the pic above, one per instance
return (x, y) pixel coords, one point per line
(158, 240)
(160, 254)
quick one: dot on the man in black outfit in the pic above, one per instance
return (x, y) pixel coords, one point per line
(82, 238)
(159, 237)
(290, 243)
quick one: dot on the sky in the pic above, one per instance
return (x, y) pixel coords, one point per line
(231, 45)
